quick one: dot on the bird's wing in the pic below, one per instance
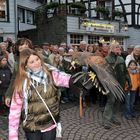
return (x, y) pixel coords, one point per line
(99, 76)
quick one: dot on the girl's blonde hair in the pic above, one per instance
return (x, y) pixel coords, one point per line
(21, 73)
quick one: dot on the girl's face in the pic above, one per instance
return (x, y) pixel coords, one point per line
(4, 61)
(34, 63)
(132, 66)
(22, 47)
(90, 49)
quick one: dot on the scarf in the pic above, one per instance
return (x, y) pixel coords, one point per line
(36, 78)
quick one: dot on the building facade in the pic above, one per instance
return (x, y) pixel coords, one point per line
(131, 8)
(83, 20)
(16, 16)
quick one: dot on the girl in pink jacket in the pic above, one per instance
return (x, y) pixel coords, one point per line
(36, 120)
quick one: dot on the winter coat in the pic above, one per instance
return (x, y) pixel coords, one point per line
(5, 77)
(119, 70)
(37, 111)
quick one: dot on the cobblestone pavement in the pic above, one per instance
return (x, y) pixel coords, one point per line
(87, 128)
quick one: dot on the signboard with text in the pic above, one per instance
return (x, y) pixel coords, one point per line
(98, 27)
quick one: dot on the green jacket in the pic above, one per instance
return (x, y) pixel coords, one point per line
(118, 67)
(38, 117)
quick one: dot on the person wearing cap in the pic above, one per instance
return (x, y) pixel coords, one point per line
(61, 52)
(118, 68)
(46, 52)
(64, 45)
(135, 55)
(83, 46)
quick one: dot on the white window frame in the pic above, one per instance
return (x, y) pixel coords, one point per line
(76, 38)
(21, 15)
(92, 39)
(3, 8)
(29, 17)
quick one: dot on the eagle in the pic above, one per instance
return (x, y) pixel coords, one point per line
(99, 74)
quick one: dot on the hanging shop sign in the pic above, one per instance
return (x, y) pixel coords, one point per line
(98, 27)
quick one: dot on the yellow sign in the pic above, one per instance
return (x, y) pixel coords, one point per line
(91, 26)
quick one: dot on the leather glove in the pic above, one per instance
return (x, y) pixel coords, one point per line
(84, 80)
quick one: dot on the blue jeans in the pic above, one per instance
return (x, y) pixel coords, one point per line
(129, 103)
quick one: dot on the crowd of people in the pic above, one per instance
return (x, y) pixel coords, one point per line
(27, 69)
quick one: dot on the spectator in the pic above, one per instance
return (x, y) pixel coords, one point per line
(61, 51)
(64, 45)
(11, 60)
(54, 52)
(5, 77)
(90, 48)
(46, 52)
(102, 51)
(131, 92)
(130, 48)
(135, 55)
(83, 46)
(20, 45)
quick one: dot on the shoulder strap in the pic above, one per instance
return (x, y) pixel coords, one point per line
(44, 103)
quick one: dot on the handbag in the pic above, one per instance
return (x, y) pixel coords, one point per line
(58, 125)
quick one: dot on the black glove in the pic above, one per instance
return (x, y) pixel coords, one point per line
(84, 80)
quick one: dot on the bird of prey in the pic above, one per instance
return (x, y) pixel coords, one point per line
(98, 75)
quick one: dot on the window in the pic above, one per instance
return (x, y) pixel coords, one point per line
(25, 16)
(75, 39)
(108, 5)
(21, 15)
(93, 39)
(101, 3)
(74, 10)
(30, 17)
(3, 10)
(121, 41)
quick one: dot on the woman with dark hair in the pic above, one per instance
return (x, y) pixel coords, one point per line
(20, 45)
